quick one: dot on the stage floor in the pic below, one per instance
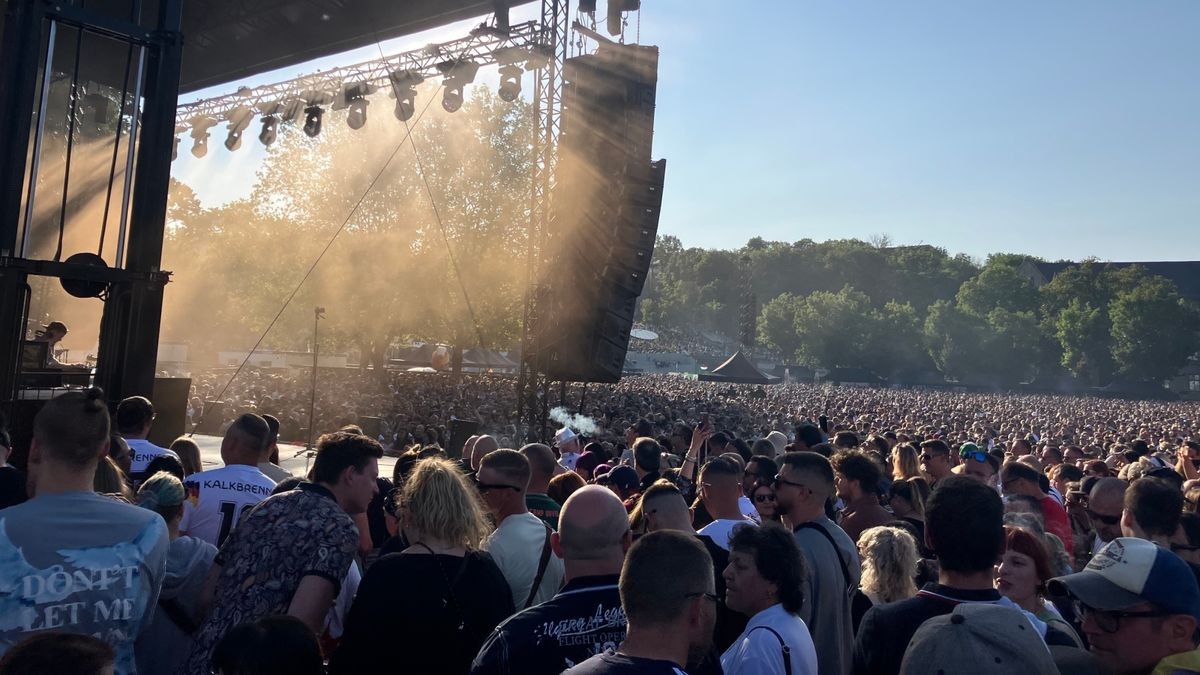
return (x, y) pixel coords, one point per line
(291, 457)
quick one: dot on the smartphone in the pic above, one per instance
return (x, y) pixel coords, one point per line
(823, 420)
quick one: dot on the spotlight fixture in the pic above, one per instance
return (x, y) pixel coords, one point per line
(357, 116)
(175, 149)
(354, 99)
(199, 134)
(404, 89)
(458, 74)
(312, 120)
(239, 120)
(452, 98)
(405, 104)
(510, 83)
(270, 130)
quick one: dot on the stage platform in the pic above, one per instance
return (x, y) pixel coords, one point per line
(291, 457)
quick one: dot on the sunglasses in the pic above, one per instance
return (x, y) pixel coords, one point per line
(925, 457)
(1110, 621)
(485, 487)
(977, 456)
(780, 480)
(1107, 520)
(764, 498)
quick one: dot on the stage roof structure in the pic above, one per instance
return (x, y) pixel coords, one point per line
(230, 40)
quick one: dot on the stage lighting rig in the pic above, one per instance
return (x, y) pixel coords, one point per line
(510, 72)
(510, 83)
(312, 120)
(270, 130)
(354, 98)
(458, 74)
(239, 120)
(404, 89)
(200, 127)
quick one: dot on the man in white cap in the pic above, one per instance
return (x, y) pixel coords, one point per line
(568, 447)
(1139, 605)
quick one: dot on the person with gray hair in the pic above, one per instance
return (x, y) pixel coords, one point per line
(217, 499)
(668, 594)
(592, 542)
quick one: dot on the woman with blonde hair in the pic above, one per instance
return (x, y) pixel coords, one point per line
(189, 454)
(436, 601)
(889, 563)
(110, 481)
(904, 462)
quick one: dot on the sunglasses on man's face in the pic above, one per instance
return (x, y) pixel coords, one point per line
(764, 498)
(926, 457)
(1107, 520)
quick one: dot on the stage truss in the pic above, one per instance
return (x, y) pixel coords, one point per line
(541, 47)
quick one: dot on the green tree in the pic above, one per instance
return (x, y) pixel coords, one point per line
(1082, 331)
(953, 339)
(998, 286)
(777, 325)
(831, 330)
(1154, 331)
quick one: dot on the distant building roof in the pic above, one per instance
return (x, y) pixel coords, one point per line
(1185, 274)
(738, 368)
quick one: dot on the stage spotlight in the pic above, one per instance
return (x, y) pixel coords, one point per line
(510, 83)
(406, 105)
(199, 134)
(233, 140)
(404, 89)
(270, 130)
(458, 74)
(239, 120)
(312, 120)
(452, 98)
(175, 149)
(356, 116)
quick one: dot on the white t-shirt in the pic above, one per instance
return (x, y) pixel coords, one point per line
(217, 500)
(141, 453)
(335, 620)
(747, 508)
(516, 546)
(721, 530)
(568, 460)
(759, 652)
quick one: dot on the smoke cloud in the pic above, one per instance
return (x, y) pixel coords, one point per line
(581, 424)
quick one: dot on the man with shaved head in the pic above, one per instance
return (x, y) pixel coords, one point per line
(542, 465)
(484, 445)
(585, 617)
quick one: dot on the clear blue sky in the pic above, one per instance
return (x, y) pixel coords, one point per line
(1064, 129)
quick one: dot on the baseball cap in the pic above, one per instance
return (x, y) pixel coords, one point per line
(979, 638)
(778, 440)
(624, 477)
(1128, 572)
(563, 435)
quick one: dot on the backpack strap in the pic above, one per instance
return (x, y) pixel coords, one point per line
(541, 572)
(836, 551)
(787, 652)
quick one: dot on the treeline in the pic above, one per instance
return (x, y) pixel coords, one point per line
(905, 310)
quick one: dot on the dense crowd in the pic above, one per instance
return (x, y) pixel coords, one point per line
(671, 527)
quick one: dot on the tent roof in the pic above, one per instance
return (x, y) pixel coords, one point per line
(738, 369)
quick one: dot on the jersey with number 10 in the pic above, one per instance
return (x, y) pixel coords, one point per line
(218, 499)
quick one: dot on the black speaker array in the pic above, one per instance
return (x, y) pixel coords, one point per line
(604, 212)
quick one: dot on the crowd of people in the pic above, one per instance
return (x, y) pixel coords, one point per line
(684, 528)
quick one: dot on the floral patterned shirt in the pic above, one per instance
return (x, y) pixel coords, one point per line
(285, 538)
